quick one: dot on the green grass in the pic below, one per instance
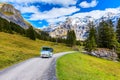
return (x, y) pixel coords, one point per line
(79, 66)
(16, 48)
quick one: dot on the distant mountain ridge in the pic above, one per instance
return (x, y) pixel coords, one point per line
(8, 12)
(79, 24)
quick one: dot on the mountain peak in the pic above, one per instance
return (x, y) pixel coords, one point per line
(8, 12)
(79, 24)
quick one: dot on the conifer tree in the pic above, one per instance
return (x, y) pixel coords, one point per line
(106, 35)
(118, 30)
(71, 38)
(31, 33)
(1, 24)
(90, 43)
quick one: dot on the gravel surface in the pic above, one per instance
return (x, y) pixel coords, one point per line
(33, 69)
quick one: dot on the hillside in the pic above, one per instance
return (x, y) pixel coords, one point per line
(15, 48)
(79, 66)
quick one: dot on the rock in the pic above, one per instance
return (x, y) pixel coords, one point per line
(105, 53)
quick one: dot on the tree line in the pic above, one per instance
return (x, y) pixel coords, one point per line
(10, 27)
(103, 36)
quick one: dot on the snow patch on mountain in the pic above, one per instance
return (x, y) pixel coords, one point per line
(79, 22)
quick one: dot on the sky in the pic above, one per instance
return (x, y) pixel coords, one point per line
(42, 13)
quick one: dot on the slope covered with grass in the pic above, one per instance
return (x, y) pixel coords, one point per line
(15, 48)
(79, 66)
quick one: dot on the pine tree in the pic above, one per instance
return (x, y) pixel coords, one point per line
(112, 33)
(118, 30)
(110, 23)
(71, 38)
(1, 25)
(68, 37)
(90, 43)
(31, 33)
(106, 35)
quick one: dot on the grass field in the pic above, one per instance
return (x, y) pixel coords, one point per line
(79, 66)
(15, 48)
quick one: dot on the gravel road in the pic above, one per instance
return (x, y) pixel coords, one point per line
(32, 69)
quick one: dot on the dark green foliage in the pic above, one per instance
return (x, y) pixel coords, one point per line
(110, 23)
(71, 38)
(78, 43)
(118, 38)
(37, 35)
(106, 35)
(16, 28)
(10, 27)
(5, 26)
(90, 43)
(31, 33)
(59, 40)
(44, 36)
(118, 31)
(53, 39)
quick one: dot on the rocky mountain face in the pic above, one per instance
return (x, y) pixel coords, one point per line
(9, 13)
(79, 25)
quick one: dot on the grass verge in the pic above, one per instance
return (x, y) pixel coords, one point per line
(78, 66)
(16, 48)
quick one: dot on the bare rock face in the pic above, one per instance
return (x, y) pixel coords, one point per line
(9, 13)
(105, 53)
(70, 24)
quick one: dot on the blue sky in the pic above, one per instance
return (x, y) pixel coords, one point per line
(42, 13)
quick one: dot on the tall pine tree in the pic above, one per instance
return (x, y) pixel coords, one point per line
(118, 30)
(90, 43)
(71, 38)
(106, 35)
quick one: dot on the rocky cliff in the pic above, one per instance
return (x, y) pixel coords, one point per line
(9, 13)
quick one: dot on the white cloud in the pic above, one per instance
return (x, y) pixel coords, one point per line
(42, 27)
(85, 4)
(28, 9)
(56, 20)
(54, 13)
(96, 14)
(52, 16)
(61, 2)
